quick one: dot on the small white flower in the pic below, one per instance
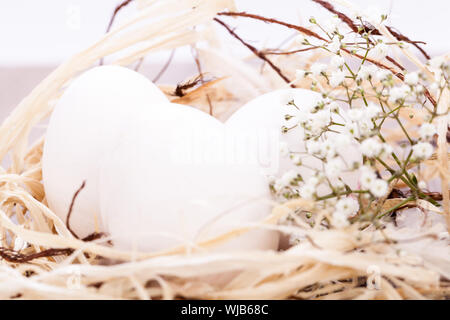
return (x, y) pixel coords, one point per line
(352, 129)
(386, 149)
(288, 177)
(334, 167)
(371, 147)
(422, 150)
(427, 131)
(367, 177)
(296, 159)
(382, 75)
(327, 149)
(340, 220)
(355, 114)
(320, 119)
(341, 141)
(412, 78)
(399, 93)
(307, 192)
(373, 110)
(434, 87)
(347, 206)
(334, 45)
(300, 74)
(379, 52)
(422, 184)
(337, 78)
(366, 72)
(337, 61)
(334, 107)
(318, 68)
(379, 188)
(312, 181)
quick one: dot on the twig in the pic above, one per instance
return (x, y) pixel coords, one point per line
(315, 35)
(113, 17)
(255, 51)
(17, 257)
(349, 22)
(71, 208)
(166, 65)
(270, 20)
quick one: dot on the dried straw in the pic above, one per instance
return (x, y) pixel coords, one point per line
(325, 264)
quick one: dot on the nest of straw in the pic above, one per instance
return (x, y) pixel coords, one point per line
(326, 264)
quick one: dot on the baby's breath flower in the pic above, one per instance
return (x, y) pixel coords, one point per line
(334, 45)
(352, 129)
(334, 106)
(337, 78)
(313, 181)
(379, 51)
(422, 150)
(337, 61)
(296, 159)
(386, 149)
(355, 114)
(340, 220)
(307, 191)
(427, 131)
(373, 110)
(318, 68)
(382, 74)
(412, 78)
(422, 184)
(367, 178)
(366, 72)
(347, 206)
(371, 147)
(288, 177)
(399, 93)
(334, 167)
(379, 188)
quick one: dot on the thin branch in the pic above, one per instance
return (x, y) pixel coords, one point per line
(270, 20)
(113, 17)
(349, 22)
(71, 209)
(315, 35)
(255, 51)
(164, 68)
(17, 257)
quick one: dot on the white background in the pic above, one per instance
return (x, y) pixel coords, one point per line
(38, 32)
(37, 35)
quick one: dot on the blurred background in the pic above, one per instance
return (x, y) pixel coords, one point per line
(38, 35)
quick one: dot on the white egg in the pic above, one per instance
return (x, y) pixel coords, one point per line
(170, 182)
(267, 112)
(92, 114)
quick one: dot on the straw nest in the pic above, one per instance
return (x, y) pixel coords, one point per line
(388, 263)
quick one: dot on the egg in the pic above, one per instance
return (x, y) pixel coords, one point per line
(171, 182)
(267, 114)
(95, 110)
